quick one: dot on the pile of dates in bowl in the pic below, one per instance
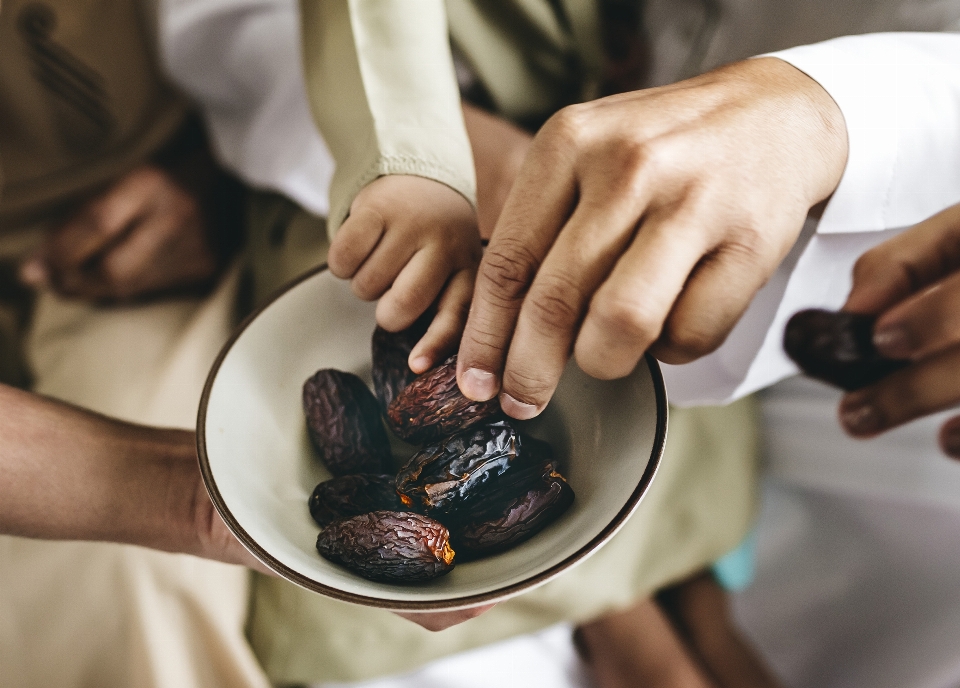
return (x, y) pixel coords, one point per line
(475, 485)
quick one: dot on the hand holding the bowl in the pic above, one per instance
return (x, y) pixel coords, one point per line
(411, 241)
(912, 282)
(647, 220)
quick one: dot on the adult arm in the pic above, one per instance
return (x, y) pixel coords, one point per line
(665, 212)
(68, 474)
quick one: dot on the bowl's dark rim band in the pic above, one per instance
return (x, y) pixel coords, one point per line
(408, 605)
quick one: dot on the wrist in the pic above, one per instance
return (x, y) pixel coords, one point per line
(817, 119)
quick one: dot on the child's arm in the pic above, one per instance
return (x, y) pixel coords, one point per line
(382, 89)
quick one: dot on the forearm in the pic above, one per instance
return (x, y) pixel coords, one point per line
(69, 474)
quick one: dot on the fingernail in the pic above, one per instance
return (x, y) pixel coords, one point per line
(33, 273)
(479, 385)
(950, 441)
(861, 420)
(892, 342)
(518, 409)
(420, 364)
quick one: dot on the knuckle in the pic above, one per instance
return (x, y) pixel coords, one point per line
(688, 341)
(627, 316)
(527, 386)
(553, 304)
(508, 268)
(406, 305)
(569, 124)
(365, 288)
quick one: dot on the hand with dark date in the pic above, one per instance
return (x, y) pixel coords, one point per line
(389, 546)
(343, 419)
(432, 407)
(911, 284)
(837, 347)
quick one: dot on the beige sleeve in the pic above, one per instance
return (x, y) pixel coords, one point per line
(382, 88)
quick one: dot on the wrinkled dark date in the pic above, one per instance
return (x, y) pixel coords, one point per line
(389, 546)
(519, 519)
(343, 419)
(391, 373)
(442, 476)
(352, 495)
(432, 407)
(837, 347)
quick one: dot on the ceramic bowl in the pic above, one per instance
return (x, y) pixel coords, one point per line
(260, 468)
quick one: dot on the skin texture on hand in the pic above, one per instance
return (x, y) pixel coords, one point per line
(647, 220)
(912, 283)
(411, 242)
(144, 235)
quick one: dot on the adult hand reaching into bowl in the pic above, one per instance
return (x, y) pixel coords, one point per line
(912, 282)
(647, 220)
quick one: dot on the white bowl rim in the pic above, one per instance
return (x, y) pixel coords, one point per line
(446, 604)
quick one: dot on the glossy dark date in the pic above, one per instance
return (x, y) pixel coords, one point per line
(837, 347)
(352, 495)
(389, 546)
(443, 476)
(516, 521)
(432, 407)
(343, 419)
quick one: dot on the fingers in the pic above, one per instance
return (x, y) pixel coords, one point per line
(356, 239)
(440, 339)
(580, 260)
(538, 206)
(715, 296)
(438, 621)
(413, 290)
(922, 388)
(627, 313)
(922, 324)
(907, 263)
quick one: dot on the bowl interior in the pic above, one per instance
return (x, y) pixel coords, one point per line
(260, 467)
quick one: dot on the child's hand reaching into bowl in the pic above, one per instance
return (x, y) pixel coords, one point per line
(410, 242)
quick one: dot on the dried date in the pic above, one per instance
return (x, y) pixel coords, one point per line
(352, 495)
(343, 419)
(516, 521)
(443, 476)
(389, 546)
(391, 372)
(432, 407)
(490, 499)
(837, 347)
